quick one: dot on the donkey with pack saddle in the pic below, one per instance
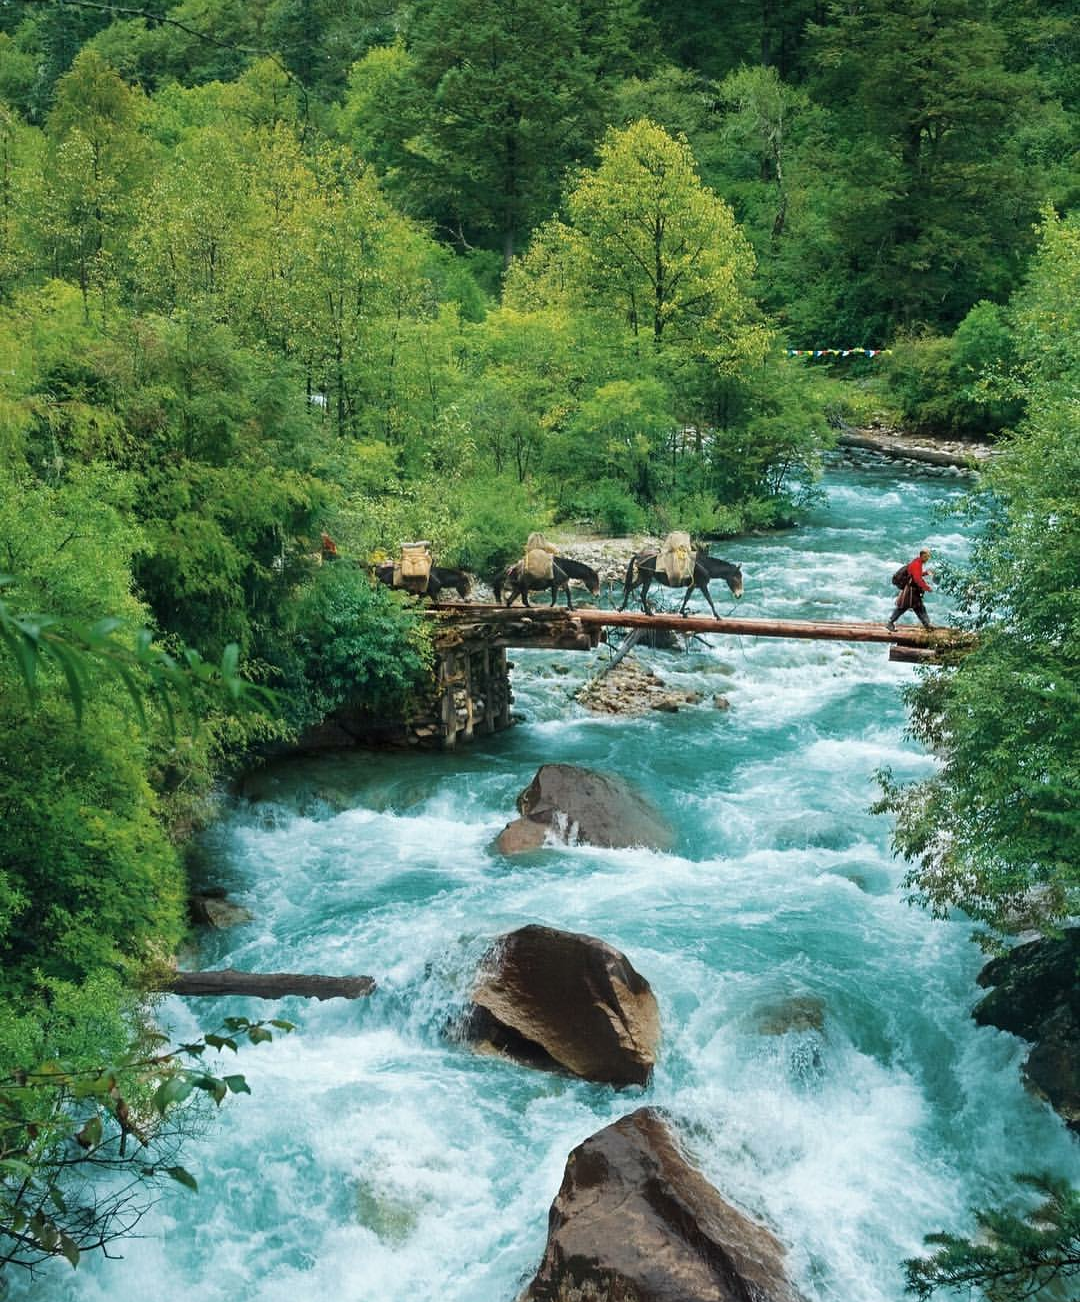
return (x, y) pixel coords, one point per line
(678, 565)
(414, 572)
(515, 582)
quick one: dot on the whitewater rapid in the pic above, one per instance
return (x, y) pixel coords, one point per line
(378, 1161)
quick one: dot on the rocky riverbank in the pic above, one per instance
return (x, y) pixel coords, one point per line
(928, 449)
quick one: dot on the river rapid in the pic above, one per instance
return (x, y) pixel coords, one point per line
(376, 1161)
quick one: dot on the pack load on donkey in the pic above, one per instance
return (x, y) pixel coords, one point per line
(676, 559)
(413, 570)
(539, 562)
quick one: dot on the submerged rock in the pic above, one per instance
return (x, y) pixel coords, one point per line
(635, 1222)
(799, 1013)
(578, 805)
(562, 1001)
(1037, 996)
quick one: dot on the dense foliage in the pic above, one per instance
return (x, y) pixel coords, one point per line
(996, 831)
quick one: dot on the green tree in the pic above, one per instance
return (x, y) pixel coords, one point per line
(194, 223)
(763, 109)
(19, 148)
(647, 246)
(498, 100)
(717, 40)
(95, 160)
(939, 196)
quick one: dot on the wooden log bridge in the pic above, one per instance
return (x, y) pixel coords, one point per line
(569, 629)
(472, 694)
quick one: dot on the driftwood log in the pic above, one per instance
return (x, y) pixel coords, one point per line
(268, 985)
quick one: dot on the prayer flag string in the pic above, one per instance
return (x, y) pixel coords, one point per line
(837, 352)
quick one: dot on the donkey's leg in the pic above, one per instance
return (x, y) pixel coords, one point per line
(646, 584)
(708, 597)
(686, 598)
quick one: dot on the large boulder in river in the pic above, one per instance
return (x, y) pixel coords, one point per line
(577, 805)
(1037, 996)
(635, 1222)
(566, 1002)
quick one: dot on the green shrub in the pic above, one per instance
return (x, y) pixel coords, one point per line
(608, 508)
(99, 883)
(699, 514)
(357, 644)
(955, 384)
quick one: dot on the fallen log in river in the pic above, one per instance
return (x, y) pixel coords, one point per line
(268, 985)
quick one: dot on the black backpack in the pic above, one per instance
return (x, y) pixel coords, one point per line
(902, 577)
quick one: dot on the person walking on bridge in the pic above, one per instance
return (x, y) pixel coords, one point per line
(911, 580)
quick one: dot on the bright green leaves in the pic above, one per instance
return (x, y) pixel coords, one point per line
(96, 157)
(142, 669)
(666, 395)
(648, 245)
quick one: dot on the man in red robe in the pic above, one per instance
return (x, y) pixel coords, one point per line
(911, 594)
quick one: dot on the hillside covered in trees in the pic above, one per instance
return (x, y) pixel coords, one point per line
(459, 269)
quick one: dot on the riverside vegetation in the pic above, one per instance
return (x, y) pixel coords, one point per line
(454, 270)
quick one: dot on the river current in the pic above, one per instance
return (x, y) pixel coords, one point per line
(377, 1161)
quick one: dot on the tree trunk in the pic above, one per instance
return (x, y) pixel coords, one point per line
(268, 985)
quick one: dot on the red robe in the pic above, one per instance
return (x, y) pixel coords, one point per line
(915, 569)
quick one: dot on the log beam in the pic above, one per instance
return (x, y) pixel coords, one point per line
(913, 655)
(268, 985)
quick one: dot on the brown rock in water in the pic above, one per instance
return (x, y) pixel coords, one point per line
(561, 1001)
(578, 805)
(1037, 996)
(635, 1222)
(520, 836)
(213, 908)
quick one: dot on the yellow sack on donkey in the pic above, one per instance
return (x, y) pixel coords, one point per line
(676, 559)
(539, 562)
(413, 570)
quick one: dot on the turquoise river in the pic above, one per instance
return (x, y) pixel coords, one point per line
(378, 1161)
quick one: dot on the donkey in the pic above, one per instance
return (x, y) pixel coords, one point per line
(563, 569)
(642, 572)
(439, 578)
